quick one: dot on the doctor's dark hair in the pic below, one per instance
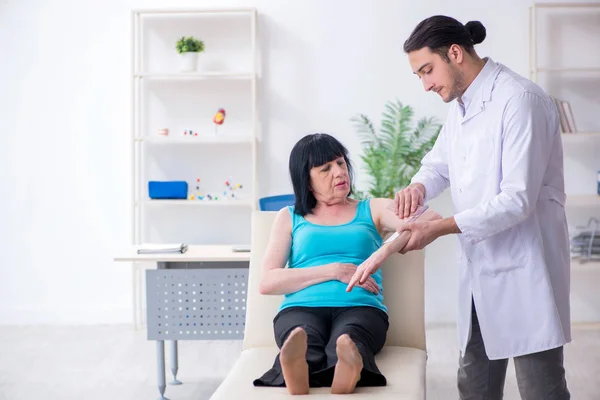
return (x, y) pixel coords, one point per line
(313, 151)
(440, 32)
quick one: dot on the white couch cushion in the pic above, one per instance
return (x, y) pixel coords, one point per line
(403, 367)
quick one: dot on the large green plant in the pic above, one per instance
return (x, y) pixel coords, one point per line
(392, 155)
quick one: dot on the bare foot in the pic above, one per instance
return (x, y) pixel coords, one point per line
(348, 367)
(293, 362)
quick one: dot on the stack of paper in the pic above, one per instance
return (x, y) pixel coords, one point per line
(162, 248)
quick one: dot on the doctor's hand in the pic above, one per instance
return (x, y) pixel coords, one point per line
(366, 269)
(345, 273)
(421, 234)
(424, 232)
(408, 199)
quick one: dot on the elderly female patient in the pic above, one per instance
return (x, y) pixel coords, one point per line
(328, 336)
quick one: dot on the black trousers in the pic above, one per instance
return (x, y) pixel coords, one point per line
(366, 326)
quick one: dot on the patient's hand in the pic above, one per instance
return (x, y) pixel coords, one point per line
(376, 260)
(367, 268)
(344, 272)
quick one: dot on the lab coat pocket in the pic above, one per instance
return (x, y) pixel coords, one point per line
(503, 252)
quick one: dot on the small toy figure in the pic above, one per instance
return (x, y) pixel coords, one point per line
(199, 195)
(232, 188)
(231, 191)
(219, 118)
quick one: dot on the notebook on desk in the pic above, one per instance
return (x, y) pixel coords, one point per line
(163, 248)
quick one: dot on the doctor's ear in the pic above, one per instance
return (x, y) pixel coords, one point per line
(455, 53)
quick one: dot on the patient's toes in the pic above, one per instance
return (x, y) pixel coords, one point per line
(348, 368)
(347, 352)
(295, 345)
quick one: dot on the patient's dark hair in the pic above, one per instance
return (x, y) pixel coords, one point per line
(440, 32)
(312, 151)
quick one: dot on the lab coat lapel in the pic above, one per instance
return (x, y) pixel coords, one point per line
(483, 95)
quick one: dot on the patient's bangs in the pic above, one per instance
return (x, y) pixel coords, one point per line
(322, 151)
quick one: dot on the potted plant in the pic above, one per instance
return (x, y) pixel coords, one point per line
(188, 48)
(393, 155)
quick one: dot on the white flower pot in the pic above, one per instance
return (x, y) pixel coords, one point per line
(189, 61)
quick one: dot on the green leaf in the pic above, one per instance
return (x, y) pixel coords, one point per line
(393, 155)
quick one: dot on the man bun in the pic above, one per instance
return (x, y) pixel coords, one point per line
(476, 30)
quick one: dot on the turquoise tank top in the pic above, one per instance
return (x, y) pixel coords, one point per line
(314, 245)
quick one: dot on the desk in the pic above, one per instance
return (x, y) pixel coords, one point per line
(203, 291)
(195, 253)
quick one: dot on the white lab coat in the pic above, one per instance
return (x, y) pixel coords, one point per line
(503, 162)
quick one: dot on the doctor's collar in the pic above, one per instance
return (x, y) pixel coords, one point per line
(465, 100)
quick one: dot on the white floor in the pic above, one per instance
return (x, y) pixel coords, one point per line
(116, 362)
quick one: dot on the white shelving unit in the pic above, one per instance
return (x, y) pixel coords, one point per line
(563, 61)
(563, 74)
(558, 33)
(164, 97)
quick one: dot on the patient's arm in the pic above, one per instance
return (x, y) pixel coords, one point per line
(276, 278)
(386, 221)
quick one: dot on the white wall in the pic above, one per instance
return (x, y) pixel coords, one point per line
(65, 109)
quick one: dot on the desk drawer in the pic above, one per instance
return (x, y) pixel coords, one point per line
(196, 303)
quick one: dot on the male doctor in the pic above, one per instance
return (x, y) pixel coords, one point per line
(500, 152)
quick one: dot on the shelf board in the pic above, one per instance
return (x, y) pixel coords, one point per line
(582, 134)
(591, 265)
(194, 140)
(175, 11)
(200, 203)
(557, 70)
(566, 5)
(583, 200)
(580, 137)
(195, 75)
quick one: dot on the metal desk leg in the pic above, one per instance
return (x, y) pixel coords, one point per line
(174, 363)
(160, 358)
